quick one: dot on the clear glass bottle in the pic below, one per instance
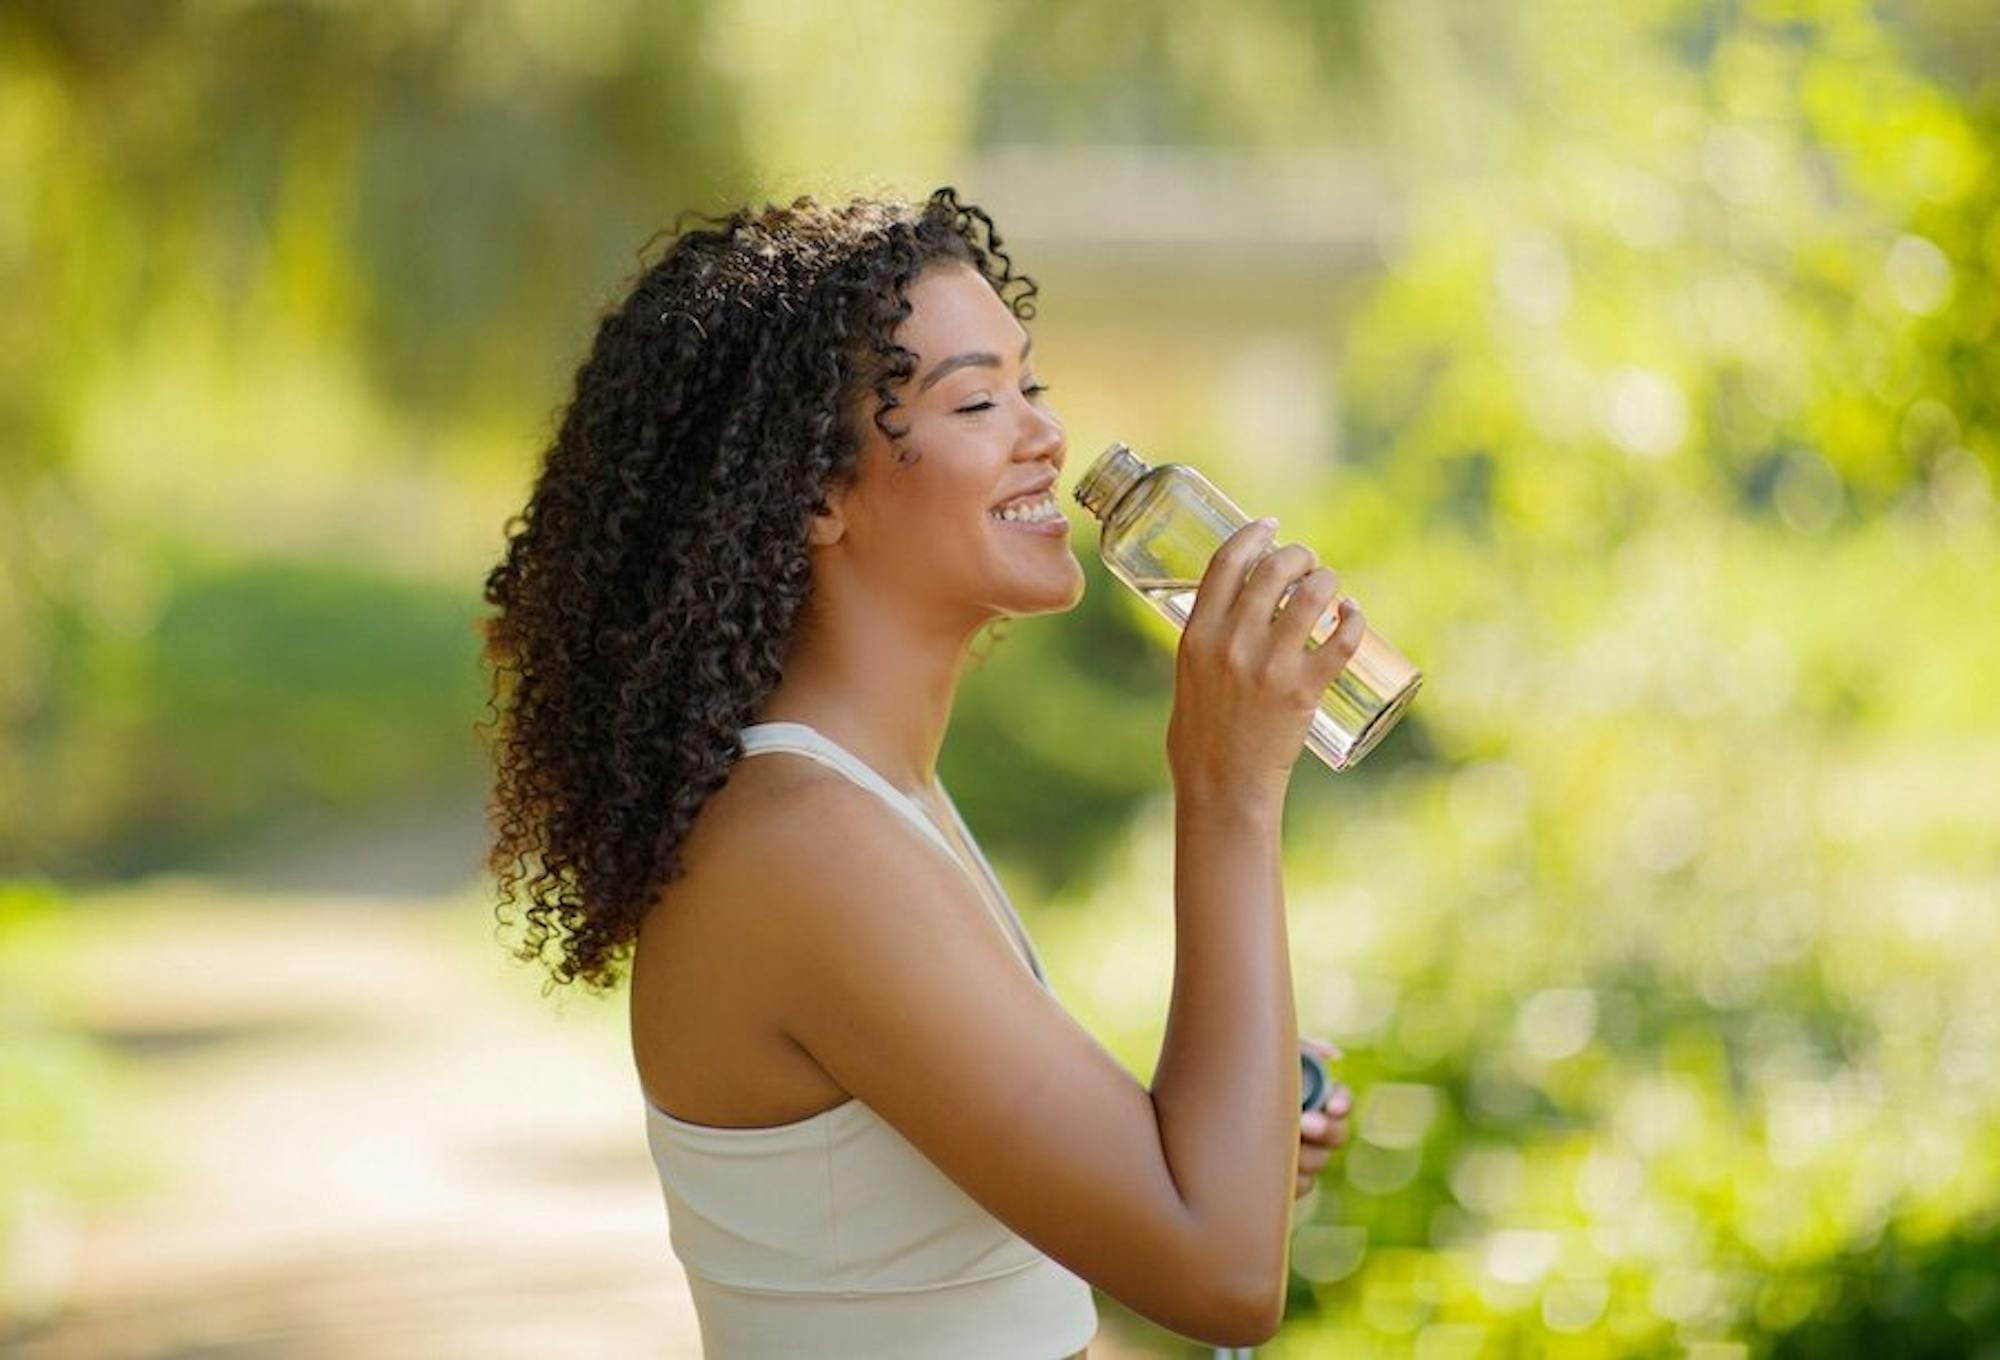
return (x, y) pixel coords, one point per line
(1158, 527)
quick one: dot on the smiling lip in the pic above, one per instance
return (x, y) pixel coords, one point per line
(1040, 488)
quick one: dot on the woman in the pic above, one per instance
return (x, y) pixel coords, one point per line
(805, 463)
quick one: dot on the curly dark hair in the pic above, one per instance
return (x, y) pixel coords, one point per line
(647, 594)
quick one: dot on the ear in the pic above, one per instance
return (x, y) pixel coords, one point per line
(829, 524)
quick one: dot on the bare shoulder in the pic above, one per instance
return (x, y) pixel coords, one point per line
(722, 905)
(739, 821)
(707, 976)
(758, 857)
(837, 857)
(804, 842)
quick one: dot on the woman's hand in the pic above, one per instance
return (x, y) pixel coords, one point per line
(1324, 1129)
(1247, 679)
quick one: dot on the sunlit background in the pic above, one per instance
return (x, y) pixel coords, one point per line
(1635, 364)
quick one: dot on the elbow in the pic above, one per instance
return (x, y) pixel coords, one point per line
(1243, 1327)
(1214, 1314)
(1225, 1296)
(1248, 1317)
(1255, 1326)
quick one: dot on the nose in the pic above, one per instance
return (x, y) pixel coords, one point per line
(1044, 436)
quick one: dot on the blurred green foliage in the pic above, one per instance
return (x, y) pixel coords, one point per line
(1667, 1013)
(265, 691)
(63, 1140)
(1660, 935)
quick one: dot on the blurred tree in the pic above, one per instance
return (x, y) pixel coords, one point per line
(1700, 256)
(281, 280)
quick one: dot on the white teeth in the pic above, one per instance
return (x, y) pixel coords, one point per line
(1038, 510)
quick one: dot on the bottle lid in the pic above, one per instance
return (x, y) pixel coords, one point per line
(1109, 478)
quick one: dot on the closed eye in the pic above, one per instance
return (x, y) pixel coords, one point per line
(1032, 390)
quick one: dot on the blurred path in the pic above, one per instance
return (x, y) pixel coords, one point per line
(364, 1147)
(370, 1140)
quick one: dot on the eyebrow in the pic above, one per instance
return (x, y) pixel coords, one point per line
(982, 357)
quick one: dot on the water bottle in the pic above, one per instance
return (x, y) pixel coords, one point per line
(1157, 528)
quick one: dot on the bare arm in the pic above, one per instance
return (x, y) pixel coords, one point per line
(1227, 1086)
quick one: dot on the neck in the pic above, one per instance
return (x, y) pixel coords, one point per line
(877, 679)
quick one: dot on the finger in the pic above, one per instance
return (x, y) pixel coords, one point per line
(1313, 1125)
(1304, 1187)
(1339, 1100)
(1339, 649)
(1306, 612)
(1222, 578)
(1324, 1048)
(1258, 600)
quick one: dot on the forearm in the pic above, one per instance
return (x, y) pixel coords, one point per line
(1226, 1091)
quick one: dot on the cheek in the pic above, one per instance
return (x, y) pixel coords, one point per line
(931, 519)
(942, 534)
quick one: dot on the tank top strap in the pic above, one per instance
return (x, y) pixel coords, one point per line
(1014, 925)
(798, 738)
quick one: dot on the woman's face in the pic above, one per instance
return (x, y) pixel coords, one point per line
(979, 435)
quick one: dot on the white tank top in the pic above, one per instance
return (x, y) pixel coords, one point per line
(833, 1235)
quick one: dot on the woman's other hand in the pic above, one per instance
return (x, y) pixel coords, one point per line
(1323, 1129)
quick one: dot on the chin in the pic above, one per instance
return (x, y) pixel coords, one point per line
(1024, 594)
(1054, 604)
(1075, 596)
(1068, 599)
